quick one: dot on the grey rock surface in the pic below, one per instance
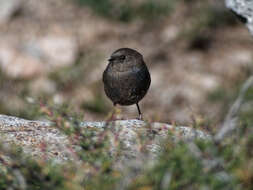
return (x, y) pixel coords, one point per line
(7, 9)
(35, 137)
(38, 56)
(41, 139)
(243, 8)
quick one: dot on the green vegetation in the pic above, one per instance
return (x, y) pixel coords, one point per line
(69, 77)
(247, 113)
(205, 19)
(126, 11)
(16, 89)
(97, 105)
(226, 95)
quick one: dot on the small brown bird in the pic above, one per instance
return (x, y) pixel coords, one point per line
(126, 78)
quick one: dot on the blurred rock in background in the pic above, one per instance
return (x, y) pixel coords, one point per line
(8, 9)
(57, 50)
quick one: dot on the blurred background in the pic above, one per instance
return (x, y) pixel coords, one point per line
(55, 51)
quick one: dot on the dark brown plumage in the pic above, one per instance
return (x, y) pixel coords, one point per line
(126, 78)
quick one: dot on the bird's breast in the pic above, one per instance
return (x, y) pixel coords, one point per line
(126, 87)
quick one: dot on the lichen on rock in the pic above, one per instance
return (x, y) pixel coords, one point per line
(32, 136)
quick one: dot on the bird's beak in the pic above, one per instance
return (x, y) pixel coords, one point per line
(111, 59)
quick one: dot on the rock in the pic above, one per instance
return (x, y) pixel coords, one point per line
(129, 132)
(244, 10)
(34, 135)
(30, 59)
(7, 9)
(52, 50)
(42, 85)
(16, 64)
(58, 51)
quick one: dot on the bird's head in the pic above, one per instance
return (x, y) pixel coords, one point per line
(124, 58)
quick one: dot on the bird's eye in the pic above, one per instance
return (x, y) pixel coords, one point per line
(122, 57)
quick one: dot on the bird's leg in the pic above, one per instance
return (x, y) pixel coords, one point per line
(116, 112)
(140, 116)
(111, 115)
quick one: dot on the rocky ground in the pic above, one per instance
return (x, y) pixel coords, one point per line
(57, 51)
(48, 141)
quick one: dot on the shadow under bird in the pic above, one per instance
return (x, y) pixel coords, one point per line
(126, 78)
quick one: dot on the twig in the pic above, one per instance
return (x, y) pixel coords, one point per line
(231, 119)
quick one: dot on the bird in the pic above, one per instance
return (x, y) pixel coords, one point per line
(126, 78)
